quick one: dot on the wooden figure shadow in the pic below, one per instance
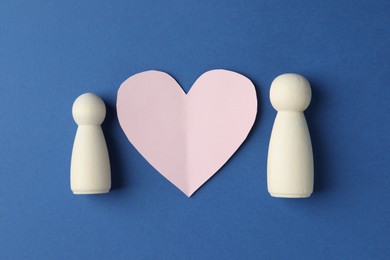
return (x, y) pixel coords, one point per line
(321, 160)
(110, 128)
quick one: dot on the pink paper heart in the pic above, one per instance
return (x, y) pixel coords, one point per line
(187, 137)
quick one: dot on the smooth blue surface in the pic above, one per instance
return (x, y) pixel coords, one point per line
(53, 51)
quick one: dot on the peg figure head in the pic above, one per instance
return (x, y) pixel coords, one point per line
(290, 92)
(89, 109)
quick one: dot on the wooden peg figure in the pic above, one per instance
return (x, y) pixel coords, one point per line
(290, 170)
(90, 165)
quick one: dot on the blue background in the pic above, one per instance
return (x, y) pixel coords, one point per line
(53, 51)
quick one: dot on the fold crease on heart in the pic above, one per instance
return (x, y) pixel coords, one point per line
(187, 138)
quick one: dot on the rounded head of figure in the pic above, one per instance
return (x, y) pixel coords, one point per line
(290, 92)
(88, 109)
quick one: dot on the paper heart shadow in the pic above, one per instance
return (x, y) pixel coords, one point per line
(187, 137)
